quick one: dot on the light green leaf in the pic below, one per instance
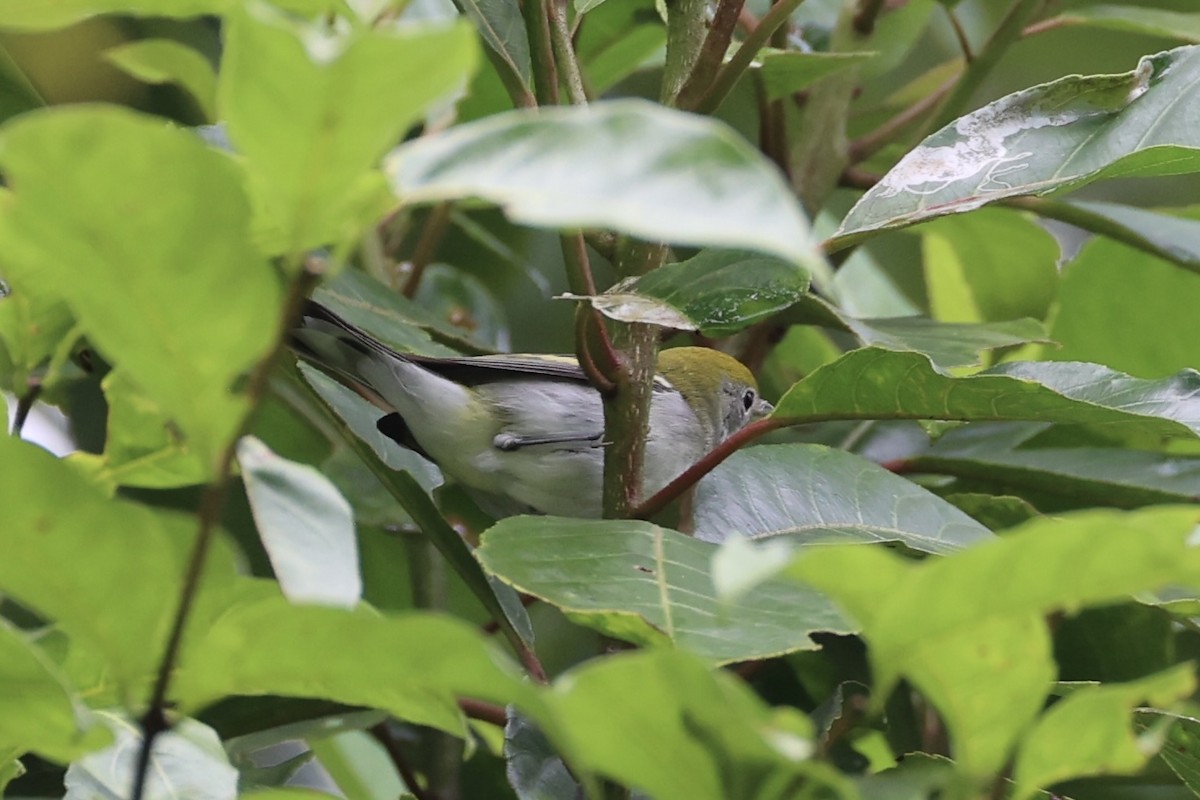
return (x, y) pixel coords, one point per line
(1088, 731)
(1051, 137)
(977, 617)
(628, 165)
(650, 585)
(717, 292)
(812, 493)
(973, 272)
(1129, 310)
(142, 447)
(1139, 19)
(413, 665)
(725, 742)
(33, 323)
(1182, 751)
(102, 569)
(306, 526)
(313, 111)
(878, 384)
(187, 761)
(142, 229)
(620, 37)
(39, 711)
(168, 61)
(38, 15)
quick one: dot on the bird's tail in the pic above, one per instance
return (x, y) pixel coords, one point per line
(338, 348)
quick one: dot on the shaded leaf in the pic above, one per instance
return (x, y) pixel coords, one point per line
(184, 314)
(784, 72)
(1076, 736)
(878, 384)
(1107, 476)
(187, 761)
(17, 94)
(1139, 19)
(502, 29)
(812, 493)
(39, 711)
(533, 768)
(649, 585)
(1050, 137)
(1172, 238)
(306, 526)
(33, 322)
(1182, 750)
(717, 292)
(312, 113)
(628, 165)
(36, 15)
(168, 61)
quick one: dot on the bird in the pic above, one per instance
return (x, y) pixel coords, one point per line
(530, 428)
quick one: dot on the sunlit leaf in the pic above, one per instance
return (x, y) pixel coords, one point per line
(168, 61)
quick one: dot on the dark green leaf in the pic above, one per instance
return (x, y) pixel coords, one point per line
(168, 61)
(717, 292)
(1054, 136)
(649, 585)
(812, 493)
(17, 94)
(502, 28)
(628, 165)
(1140, 19)
(784, 72)
(1182, 748)
(534, 769)
(878, 384)
(306, 526)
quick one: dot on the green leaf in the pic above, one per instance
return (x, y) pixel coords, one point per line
(947, 344)
(977, 618)
(784, 72)
(104, 570)
(620, 37)
(502, 29)
(1154, 336)
(173, 290)
(1103, 476)
(39, 712)
(168, 61)
(1182, 750)
(1171, 238)
(33, 322)
(413, 665)
(1088, 731)
(815, 494)
(649, 585)
(628, 165)
(306, 526)
(142, 447)
(1139, 19)
(313, 111)
(534, 769)
(17, 94)
(1051, 137)
(725, 742)
(187, 761)
(36, 15)
(718, 292)
(971, 273)
(878, 384)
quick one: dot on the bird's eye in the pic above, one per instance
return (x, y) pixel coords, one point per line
(748, 399)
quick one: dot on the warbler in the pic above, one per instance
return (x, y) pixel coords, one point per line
(531, 427)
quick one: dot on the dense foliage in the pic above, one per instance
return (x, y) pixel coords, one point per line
(959, 560)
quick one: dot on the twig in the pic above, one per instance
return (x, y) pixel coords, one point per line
(25, 405)
(728, 77)
(868, 144)
(154, 720)
(383, 734)
(864, 21)
(695, 472)
(431, 236)
(545, 71)
(485, 712)
(712, 52)
(564, 53)
(591, 336)
(964, 44)
(1061, 21)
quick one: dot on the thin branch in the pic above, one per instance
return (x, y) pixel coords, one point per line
(870, 143)
(712, 52)
(382, 734)
(864, 21)
(695, 472)
(964, 44)
(545, 70)
(591, 336)
(484, 712)
(729, 75)
(25, 405)
(564, 53)
(1061, 21)
(154, 720)
(432, 233)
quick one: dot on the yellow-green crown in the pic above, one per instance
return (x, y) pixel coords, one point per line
(701, 370)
